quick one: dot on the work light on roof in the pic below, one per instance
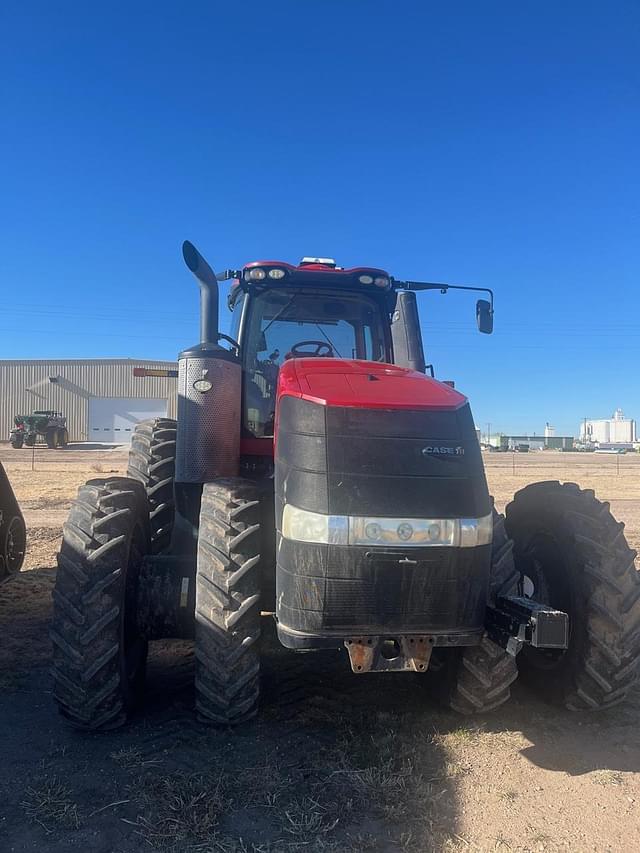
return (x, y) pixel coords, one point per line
(365, 279)
(326, 262)
(255, 274)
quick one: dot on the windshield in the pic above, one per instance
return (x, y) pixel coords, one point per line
(286, 323)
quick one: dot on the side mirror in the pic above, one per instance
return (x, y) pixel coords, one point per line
(484, 316)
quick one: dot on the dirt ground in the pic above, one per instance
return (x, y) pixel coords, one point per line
(335, 763)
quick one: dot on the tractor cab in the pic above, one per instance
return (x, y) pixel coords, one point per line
(317, 309)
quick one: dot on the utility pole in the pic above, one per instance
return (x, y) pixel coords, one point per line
(488, 433)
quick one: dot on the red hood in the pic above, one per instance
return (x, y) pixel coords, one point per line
(364, 384)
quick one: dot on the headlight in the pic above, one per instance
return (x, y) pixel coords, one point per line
(276, 273)
(476, 531)
(304, 526)
(415, 532)
(365, 279)
(255, 274)
(381, 281)
(301, 525)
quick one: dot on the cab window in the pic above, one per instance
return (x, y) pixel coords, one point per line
(288, 323)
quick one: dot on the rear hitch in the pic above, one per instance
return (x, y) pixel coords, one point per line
(517, 621)
(389, 654)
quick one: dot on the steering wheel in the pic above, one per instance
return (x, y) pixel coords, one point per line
(322, 350)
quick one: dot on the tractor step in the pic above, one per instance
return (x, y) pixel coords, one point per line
(518, 621)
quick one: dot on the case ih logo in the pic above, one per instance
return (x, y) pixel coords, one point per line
(437, 450)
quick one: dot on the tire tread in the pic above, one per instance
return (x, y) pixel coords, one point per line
(152, 461)
(607, 667)
(228, 603)
(87, 603)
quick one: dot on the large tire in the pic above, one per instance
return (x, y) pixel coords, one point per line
(477, 679)
(573, 555)
(13, 544)
(63, 437)
(16, 441)
(98, 655)
(52, 439)
(228, 602)
(152, 461)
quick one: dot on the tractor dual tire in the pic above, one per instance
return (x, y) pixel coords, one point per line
(99, 656)
(228, 602)
(152, 461)
(477, 679)
(52, 439)
(16, 442)
(573, 555)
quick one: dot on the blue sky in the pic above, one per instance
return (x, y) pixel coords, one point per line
(487, 143)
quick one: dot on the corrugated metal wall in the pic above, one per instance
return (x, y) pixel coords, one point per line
(25, 386)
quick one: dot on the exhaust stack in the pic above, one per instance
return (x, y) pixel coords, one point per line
(209, 389)
(208, 283)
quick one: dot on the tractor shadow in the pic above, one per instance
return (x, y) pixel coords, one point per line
(575, 743)
(334, 762)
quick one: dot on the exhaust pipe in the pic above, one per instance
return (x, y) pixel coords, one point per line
(209, 329)
(209, 389)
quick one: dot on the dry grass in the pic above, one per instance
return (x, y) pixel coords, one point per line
(51, 804)
(182, 810)
(369, 795)
(608, 777)
(131, 758)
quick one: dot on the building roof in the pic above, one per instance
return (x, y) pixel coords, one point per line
(10, 361)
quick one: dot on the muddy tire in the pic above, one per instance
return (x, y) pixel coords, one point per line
(16, 441)
(228, 603)
(98, 655)
(63, 438)
(52, 439)
(152, 461)
(477, 679)
(572, 554)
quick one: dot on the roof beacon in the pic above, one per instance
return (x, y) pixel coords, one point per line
(325, 262)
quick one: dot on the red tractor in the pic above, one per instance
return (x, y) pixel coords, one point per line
(317, 475)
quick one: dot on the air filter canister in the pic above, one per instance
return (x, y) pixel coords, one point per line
(209, 395)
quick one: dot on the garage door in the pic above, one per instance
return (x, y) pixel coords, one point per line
(113, 419)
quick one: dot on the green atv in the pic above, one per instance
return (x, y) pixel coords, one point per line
(51, 426)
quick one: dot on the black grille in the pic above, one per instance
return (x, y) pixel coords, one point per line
(395, 596)
(361, 590)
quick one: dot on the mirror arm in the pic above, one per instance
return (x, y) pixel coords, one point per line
(227, 274)
(443, 288)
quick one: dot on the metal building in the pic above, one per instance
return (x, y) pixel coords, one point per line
(101, 398)
(537, 442)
